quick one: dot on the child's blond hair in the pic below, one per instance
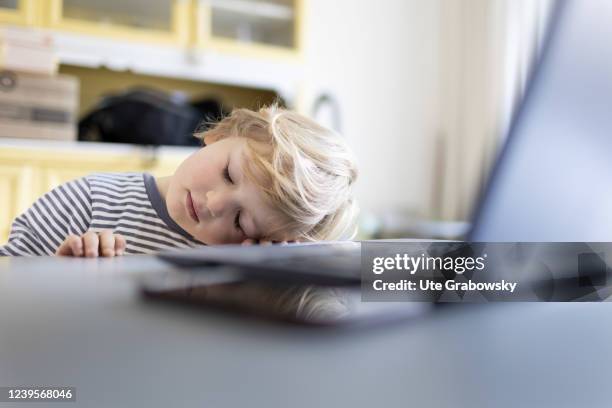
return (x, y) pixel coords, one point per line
(305, 170)
(312, 304)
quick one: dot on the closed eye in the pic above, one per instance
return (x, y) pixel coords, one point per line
(226, 174)
(237, 222)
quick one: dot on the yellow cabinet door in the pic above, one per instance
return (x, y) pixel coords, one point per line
(16, 195)
(51, 177)
(161, 21)
(64, 167)
(22, 12)
(257, 28)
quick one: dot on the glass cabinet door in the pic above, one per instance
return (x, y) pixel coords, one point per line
(17, 11)
(149, 20)
(256, 24)
(9, 5)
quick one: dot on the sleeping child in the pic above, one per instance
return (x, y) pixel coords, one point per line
(271, 175)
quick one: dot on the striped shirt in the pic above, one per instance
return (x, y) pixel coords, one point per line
(126, 203)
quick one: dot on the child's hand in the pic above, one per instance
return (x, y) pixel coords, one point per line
(92, 244)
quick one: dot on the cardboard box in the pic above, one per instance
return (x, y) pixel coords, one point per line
(36, 106)
(27, 50)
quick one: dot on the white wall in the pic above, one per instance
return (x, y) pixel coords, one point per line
(381, 60)
(487, 48)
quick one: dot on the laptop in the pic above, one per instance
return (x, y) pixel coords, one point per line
(322, 263)
(550, 182)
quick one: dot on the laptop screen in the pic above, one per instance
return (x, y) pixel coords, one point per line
(553, 181)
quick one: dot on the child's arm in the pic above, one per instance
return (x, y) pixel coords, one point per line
(42, 228)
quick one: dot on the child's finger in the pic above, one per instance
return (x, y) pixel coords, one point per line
(248, 241)
(107, 243)
(119, 244)
(72, 246)
(76, 244)
(90, 243)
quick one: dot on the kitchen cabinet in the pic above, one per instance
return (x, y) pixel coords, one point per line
(161, 21)
(20, 12)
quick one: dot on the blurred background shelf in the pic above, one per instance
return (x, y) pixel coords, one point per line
(192, 64)
(248, 43)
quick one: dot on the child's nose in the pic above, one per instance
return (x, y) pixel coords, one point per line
(217, 202)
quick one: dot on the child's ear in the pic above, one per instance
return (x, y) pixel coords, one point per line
(211, 137)
(207, 139)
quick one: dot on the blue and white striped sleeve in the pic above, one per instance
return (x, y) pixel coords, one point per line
(42, 228)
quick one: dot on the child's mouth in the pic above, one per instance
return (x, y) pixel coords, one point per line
(191, 208)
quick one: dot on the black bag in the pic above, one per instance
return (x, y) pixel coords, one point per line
(147, 117)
